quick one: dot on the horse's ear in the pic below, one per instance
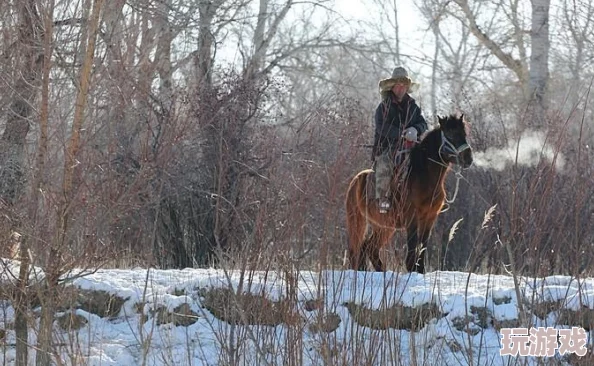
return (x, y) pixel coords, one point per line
(441, 120)
(462, 117)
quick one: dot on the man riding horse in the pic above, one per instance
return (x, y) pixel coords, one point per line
(397, 117)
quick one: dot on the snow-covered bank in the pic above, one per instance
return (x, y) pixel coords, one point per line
(336, 317)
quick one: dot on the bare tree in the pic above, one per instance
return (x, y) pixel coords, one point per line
(577, 18)
(265, 48)
(264, 36)
(455, 60)
(532, 75)
(54, 267)
(388, 27)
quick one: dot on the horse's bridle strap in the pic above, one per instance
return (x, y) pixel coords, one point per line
(450, 147)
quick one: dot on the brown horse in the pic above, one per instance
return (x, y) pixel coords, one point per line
(416, 201)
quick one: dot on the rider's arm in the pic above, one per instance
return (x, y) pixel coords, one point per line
(418, 121)
(379, 138)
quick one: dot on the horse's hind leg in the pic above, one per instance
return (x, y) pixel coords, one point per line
(378, 240)
(368, 249)
(356, 230)
(375, 259)
(358, 255)
(358, 247)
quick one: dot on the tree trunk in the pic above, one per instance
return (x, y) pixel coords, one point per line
(396, 33)
(36, 187)
(539, 59)
(163, 54)
(116, 67)
(214, 147)
(21, 110)
(12, 157)
(164, 69)
(435, 28)
(203, 59)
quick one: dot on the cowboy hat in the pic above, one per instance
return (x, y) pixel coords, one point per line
(399, 74)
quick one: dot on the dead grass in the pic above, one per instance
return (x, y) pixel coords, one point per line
(396, 316)
(71, 321)
(183, 315)
(326, 323)
(247, 309)
(100, 303)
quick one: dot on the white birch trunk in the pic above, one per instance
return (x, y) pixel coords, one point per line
(539, 57)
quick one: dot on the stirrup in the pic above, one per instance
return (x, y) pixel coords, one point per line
(384, 205)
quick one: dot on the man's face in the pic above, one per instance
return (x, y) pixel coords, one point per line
(399, 89)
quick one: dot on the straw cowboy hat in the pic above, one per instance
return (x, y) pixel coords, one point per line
(399, 74)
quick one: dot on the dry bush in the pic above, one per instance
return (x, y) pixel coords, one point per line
(542, 212)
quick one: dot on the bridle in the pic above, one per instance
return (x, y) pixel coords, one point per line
(449, 148)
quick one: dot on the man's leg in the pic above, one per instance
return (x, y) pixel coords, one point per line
(383, 175)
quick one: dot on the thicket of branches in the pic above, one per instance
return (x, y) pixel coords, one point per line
(175, 134)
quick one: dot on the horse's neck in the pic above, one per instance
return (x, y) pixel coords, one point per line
(429, 162)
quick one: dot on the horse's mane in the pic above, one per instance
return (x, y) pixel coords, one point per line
(429, 137)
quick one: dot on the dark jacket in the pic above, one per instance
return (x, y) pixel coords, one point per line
(391, 119)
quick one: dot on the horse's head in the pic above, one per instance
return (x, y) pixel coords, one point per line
(454, 148)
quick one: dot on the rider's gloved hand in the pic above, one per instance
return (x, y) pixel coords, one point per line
(410, 134)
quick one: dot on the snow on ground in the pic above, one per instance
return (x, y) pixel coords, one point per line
(124, 340)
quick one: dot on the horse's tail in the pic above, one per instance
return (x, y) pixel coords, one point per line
(355, 219)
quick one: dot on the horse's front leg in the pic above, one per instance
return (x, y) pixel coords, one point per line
(424, 232)
(412, 241)
(417, 236)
